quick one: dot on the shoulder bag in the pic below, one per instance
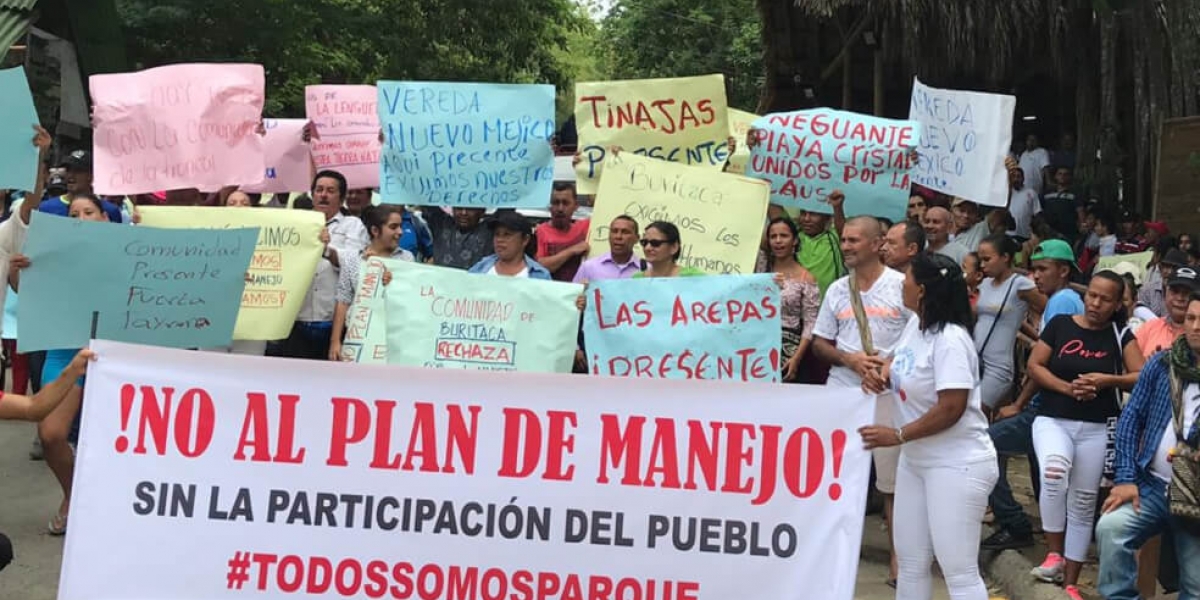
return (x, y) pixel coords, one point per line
(999, 313)
(1183, 494)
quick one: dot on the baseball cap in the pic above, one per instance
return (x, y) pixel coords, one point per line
(1055, 250)
(1158, 227)
(510, 219)
(1185, 277)
(1175, 257)
(79, 160)
(958, 201)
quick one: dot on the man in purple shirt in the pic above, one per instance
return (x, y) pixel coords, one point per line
(619, 262)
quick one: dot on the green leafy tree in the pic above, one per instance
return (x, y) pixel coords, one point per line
(358, 41)
(676, 38)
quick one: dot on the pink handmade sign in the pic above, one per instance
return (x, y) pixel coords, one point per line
(288, 158)
(175, 127)
(348, 131)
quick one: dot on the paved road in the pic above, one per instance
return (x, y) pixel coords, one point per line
(29, 496)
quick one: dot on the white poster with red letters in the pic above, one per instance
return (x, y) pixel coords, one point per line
(204, 476)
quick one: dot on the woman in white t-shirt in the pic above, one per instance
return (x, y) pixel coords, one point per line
(947, 461)
(1004, 297)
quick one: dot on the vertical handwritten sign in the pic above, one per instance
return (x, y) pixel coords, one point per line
(964, 139)
(448, 319)
(466, 144)
(288, 159)
(181, 126)
(682, 120)
(740, 123)
(18, 157)
(366, 321)
(719, 216)
(285, 258)
(808, 154)
(347, 124)
(150, 286)
(724, 327)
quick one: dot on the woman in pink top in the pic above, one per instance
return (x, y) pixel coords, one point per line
(799, 294)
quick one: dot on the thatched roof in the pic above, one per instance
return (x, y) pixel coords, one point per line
(987, 38)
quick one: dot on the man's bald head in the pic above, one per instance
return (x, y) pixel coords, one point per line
(862, 237)
(937, 225)
(868, 226)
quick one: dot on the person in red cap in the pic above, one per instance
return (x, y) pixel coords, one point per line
(1155, 230)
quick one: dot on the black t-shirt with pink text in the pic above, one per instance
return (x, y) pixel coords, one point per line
(1076, 351)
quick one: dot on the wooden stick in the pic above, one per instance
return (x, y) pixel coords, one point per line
(860, 315)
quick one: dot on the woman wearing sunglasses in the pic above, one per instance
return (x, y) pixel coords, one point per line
(660, 244)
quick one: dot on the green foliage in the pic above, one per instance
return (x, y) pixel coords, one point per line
(675, 38)
(304, 42)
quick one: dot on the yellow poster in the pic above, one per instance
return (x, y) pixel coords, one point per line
(739, 125)
(682, 120)
(281, 271)
(720, 216)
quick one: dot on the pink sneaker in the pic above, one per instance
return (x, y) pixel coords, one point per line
(1073, 592)
(1051, 569)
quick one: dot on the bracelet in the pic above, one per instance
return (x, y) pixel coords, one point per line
(900, 434)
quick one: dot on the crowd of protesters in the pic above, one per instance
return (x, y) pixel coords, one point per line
(990, 333)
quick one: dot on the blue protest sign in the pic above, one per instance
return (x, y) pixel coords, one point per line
(466, 144)
(18, 155)
(808, 154)
(162, 287)
(714, 327)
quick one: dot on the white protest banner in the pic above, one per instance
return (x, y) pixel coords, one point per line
(177, 127)
(204, 476)
(964, 139)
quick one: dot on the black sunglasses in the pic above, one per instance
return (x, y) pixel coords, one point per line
(652, 243)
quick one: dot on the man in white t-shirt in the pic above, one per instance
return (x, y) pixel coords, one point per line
(1034, 161)
(1023, 204)
(1146, 446)
(837, 339)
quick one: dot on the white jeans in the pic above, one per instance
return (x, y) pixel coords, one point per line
(938, 514)
(1071, 455)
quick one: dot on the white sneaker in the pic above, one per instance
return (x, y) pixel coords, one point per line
(1051, 569)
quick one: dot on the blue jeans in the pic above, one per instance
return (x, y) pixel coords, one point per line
(1123, 531)
(1013, 437)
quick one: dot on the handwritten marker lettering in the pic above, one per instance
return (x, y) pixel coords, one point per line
(467, 144)
(682, 120)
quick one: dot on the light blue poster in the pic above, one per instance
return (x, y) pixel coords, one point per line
(162, 287)
(807, 155)
(466, 144)
(723, 327)
(18, 155)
